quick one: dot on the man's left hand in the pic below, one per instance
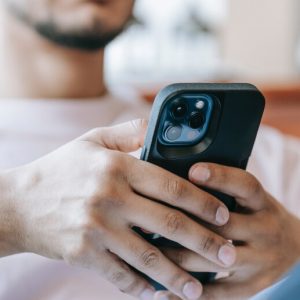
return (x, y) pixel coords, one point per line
(266, 236)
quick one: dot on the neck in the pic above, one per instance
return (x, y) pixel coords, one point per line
(33, 67)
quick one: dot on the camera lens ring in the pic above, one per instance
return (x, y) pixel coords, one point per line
(179, 109)
(173, 133)
(197, 119)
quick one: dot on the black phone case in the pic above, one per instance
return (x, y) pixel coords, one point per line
(239, 114)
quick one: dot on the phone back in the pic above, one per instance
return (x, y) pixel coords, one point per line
(232, 131)
(228, 138)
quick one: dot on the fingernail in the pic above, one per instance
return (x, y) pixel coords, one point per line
(192, 290)
(162, 296)
(147, 294)
(227, 255)
(222, 215)
(200, 173)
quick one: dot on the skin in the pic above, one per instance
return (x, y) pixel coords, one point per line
(33, 66)
(71, 221)
(266, 232)
(85, 214)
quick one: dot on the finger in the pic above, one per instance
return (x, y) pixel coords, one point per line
(159, 184)
(228, 290)
(238, 228)
(126, 137)
(176, 226)
(165, 295)
(220, 290)
(192, 262)
(150, 261)
(232, 181)
(120, 275)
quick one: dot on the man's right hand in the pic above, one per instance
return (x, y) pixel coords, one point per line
(80, 203)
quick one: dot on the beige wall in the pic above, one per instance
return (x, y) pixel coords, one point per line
(260, 38)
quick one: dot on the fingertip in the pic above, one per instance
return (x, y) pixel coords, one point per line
(165, 295)
(227, 254)
(222, 215)
(147, 294)
(161, 295)
(199, 173)
(192, 290)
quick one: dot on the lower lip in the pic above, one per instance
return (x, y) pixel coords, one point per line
(101, 1)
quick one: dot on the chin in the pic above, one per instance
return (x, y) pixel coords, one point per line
(85, 26)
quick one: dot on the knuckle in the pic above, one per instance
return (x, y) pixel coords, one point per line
(222, 175)
(218, 174)
(175, 188)
(124, 280)
(102, 195)
(109, 198)
(150, 258)
(174, 221)
(107, 191)
(116, 202)
(180, 258)
(254, 187)
(209, 206)
(115, 272)
(226, 230)
(175, 280)
(132, 287)
(206, 244)
(118, 277)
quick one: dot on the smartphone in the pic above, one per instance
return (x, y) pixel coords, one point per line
(202, 122)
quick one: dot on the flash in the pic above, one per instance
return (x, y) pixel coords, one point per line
(192, 135)
(200, 104)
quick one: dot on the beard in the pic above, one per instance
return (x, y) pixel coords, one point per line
(92, 37)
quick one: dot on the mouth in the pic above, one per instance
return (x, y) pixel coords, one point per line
(103, 2)
(98, 2)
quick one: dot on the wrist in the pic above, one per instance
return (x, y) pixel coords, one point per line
(10, 228)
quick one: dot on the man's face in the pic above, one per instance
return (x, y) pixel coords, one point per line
(80, 24)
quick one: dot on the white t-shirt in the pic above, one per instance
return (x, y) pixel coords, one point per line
(31, 128)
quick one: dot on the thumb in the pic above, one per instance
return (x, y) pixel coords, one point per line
(125, 137)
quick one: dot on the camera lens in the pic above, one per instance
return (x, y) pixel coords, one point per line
(197, 119)
(179, 109)
(173, 133)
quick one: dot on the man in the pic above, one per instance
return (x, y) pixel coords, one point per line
(78, 204)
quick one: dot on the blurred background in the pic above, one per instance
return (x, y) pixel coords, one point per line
(255, 41)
